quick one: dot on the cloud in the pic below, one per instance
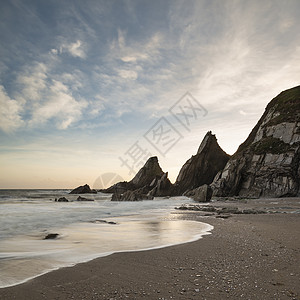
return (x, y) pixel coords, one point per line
(129, 71)
(128, 74)
(59, 106)
(74, 49)
(129, 59)
(97, 106)
(54, 51)
(74, 80)
(211, 49)
(33, 81)
(136, 51)
(10, 118)
(46, 95)
(233, 59)
(121, 38)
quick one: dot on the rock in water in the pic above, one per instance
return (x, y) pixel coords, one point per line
(201, 194)
(51, 236)
(201, 168)
(84, 199)
(62, 199)
(104, 222)
(83, 189)
(267, 164)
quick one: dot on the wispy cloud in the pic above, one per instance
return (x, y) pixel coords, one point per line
(44, 98)
(32, 81)
(60, 106)
(10, 118)
(128, 74)
(75, 49)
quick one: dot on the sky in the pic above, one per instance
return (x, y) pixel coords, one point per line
(90, 89)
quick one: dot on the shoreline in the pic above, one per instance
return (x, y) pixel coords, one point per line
(245, 257)
(206, 231)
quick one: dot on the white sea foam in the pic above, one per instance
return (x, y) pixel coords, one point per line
(24, 254)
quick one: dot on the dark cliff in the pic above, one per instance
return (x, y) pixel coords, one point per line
(201, 168)
(267, 163)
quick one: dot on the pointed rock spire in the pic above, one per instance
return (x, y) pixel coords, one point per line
(201, 168)
(142, 180)
(147, 173)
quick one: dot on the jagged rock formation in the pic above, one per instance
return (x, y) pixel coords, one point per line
(151, 181)
(83, 189)
(147, 173)
(267, 164)
(201, 168)
(142, 180)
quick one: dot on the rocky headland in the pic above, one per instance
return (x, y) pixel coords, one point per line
(267, 164)
(193, 179)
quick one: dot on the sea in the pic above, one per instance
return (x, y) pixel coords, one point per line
(85, 230)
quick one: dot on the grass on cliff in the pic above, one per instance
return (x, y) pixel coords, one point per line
(270, 145)
(287, 104)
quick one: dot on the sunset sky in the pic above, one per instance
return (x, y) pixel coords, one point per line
(95, 87)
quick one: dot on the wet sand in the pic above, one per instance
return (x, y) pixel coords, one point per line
(251, 256)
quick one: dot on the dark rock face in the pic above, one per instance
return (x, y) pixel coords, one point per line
(201, 168)
(83, 189)
(141, 183)
(267, 164)
(201, 194)
(147, 173)
(116, 197)
(161, 187)
(130, 196)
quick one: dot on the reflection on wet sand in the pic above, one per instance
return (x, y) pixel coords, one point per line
(25, 257)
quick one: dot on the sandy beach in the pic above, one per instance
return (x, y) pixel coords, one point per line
(247, 256)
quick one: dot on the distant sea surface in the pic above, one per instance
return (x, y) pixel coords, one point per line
(27, 216)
